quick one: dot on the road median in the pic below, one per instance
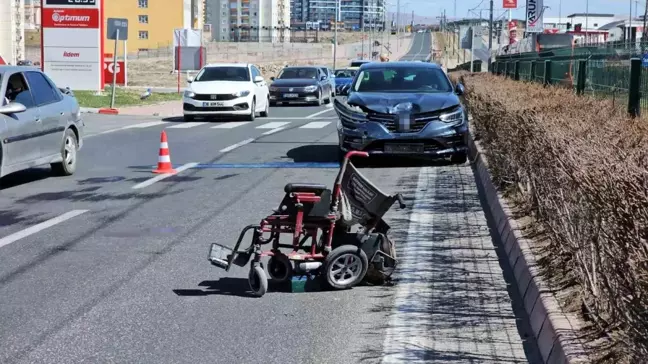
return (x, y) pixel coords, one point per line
(564, 179)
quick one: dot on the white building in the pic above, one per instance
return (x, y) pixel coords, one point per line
(249, 20)
(12, 30)
(32, 14)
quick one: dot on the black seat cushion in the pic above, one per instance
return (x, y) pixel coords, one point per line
(305, 187)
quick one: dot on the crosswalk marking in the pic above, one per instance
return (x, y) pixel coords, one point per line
(185, 125)
(146, 125)
(315, 125)
(272, 125)
(230, 125)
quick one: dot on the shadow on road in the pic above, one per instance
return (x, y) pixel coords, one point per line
(224, 286)
(328, 153)
(24, 177)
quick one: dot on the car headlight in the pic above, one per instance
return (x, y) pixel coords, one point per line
(310, 88)
(189, 94)
(351, 113)
(452, 117)
(273, 88)
(241, 93)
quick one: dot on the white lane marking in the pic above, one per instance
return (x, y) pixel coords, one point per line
(274, 131)
(231, 125)
(39, 227)
(315, 125)
(160, 177)
(272, 125)
(301, 118)
(404, 338)
(319, 113)
(234, 146)
(134, 126)
(186, 125)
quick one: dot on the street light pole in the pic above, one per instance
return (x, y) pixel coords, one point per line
(335, 37)
(490, 34)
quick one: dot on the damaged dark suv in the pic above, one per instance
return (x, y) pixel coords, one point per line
(403, 108)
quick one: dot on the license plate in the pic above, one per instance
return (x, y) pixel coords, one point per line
(404, 148)
(207, 104)
(290, 96)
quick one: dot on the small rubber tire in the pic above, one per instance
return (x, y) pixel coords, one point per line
(320, 99)
(279, 268)
(459, 158)
(342, 252)
(252, 115)
(188, 118)
(69, 147)
(258, 281)
(266, 111)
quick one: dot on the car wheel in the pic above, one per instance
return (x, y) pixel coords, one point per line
(329, 98)
(188, 117)
(68, 154)
(320, 100)
(252, 111)
(266, 111)
(459, 158)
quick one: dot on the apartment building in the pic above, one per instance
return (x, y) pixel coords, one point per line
(355, 14)
(249, 20)
(151, 22)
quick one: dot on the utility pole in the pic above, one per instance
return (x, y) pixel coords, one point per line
(490, 35)
(335, 37)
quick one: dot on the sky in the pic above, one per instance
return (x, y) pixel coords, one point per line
(428, 10)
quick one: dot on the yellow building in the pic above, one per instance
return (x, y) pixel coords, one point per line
(150, 26)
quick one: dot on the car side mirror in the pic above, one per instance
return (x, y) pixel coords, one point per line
(12, 108)
(460, 89)
(322, 78)
(258, 79)
(344, 91)
(190, 79)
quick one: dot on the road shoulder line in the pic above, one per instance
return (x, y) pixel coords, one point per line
(39, 227)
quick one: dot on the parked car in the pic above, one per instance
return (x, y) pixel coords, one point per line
(343, 78)
(39, 124)
(302, 84)
(330, 77)
(227, 89)
(403, 108)
(359, 62)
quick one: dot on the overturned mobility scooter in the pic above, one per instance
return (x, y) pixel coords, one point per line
(320, 223)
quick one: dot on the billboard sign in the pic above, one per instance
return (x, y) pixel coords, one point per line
(512, 28)
(120, 68)
(72, 47)
(534, 10)
(509, 4)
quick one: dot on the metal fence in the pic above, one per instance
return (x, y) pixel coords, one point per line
(602, 71)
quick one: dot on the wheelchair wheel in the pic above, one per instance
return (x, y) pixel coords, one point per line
(345, 266)
(258, 281)
(280, 268)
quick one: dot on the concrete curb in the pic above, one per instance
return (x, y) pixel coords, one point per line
(89, 110)
(556, 337)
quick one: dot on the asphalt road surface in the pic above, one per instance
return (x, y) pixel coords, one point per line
(110, 265)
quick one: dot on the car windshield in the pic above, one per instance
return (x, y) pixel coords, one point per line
(345, 73)
(223, 74)
(402, 79)
(358, 63)
(298, 73)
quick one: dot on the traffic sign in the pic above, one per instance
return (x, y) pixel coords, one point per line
(117, 27)
(644, 60)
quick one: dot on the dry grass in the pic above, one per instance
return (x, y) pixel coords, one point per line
(577, 167)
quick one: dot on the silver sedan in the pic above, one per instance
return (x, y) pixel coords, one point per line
(39, 122)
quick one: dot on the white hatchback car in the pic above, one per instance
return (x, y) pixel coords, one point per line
(232, 89)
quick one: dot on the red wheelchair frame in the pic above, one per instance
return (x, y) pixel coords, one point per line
(305, 210)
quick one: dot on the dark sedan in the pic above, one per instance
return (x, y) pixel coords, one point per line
(301, 85)
(403, 108)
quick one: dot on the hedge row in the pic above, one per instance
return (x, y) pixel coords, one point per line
(578, 165)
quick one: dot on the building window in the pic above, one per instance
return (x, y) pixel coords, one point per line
(143, 34)
(142, 3)
(143, 19)
(143, 50)
(224, 21)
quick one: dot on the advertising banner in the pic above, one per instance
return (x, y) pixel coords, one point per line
(465, 32)
(509, 4)
(534, 9)
(72, 47)
(512, 28)
(120, 68)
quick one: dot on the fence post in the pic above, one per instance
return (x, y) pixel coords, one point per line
(506, 69)
(516, 71)
(634, 96)
(547, 72)
(581, 76)
(494, 66)
(532, 75)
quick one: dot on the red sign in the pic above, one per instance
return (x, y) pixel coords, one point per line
(551, 31)
(2, 61)
(121, 72)
(509, 4)
(70, 18)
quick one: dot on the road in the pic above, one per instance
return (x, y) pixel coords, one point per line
(109, 266)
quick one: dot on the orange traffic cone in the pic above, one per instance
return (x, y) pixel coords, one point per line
(164, 159)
